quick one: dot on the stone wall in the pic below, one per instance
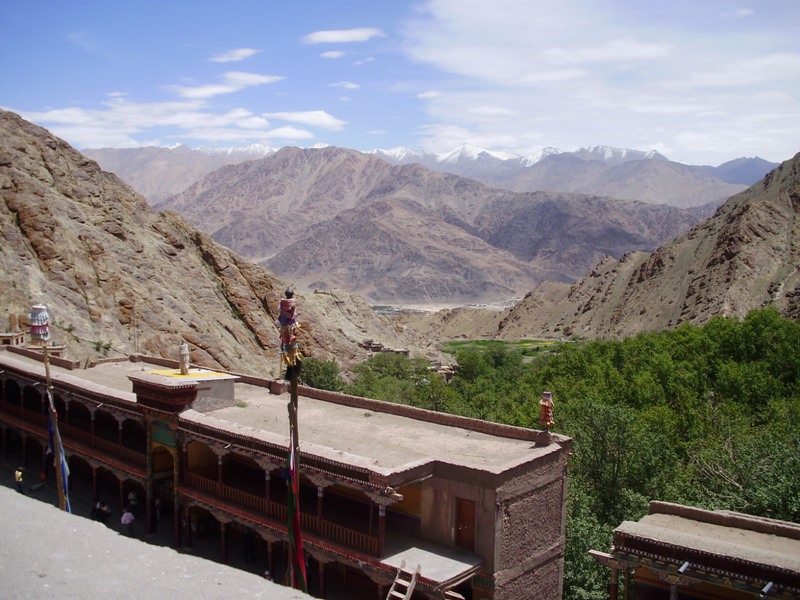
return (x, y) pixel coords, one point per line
(530, 532)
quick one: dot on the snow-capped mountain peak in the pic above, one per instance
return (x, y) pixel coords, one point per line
(474, 153)
(398, 153)
(252, 149)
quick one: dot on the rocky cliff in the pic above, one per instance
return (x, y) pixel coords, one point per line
(119, 277)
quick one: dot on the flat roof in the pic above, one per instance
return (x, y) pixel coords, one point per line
(730, 538)
(366, 437)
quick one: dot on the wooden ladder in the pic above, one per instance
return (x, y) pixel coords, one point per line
(404, 583)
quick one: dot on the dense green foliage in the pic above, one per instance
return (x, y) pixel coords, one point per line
(323, 375)
(707, 416)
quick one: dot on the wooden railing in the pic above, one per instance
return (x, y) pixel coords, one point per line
(203, 484)
(334, 532)
(72, 433)
(350, 537)
(126, 454)
(251, 501)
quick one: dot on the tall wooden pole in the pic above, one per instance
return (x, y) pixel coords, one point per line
(288, 328)
(58, 448)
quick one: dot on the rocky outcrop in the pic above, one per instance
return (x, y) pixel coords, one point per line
(119, 277)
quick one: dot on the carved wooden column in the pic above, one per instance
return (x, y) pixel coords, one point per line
(613, 588)
(223, 535)
(383, 499)
(187, 522)
(219, 475)
(176, 481)
(616, 565)
(321, 484)
(148, 479)
(94, 483)
(92, 414)
(184, 461)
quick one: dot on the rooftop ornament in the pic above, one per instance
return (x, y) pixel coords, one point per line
(546, 411)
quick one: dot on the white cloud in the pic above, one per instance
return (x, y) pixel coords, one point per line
(361, 34)
(233, 81)
(622, 49)
(348, 85)
(739, 13)
(313, 118)
(121, 123)
(333, 54)
(234, 55)
(582, 73)
(748, 72)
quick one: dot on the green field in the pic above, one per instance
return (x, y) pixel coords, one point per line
(526, 347)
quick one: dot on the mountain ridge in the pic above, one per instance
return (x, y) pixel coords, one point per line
(171, 170)
(744, 257)
(119, 277)
(308, 200)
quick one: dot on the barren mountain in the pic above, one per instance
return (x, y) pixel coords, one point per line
(119, 277)
(647, 180)
(394, 251)
(745, 257)
(158, 173)
(308, 216)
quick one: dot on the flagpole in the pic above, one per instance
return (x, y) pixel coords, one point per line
(297, 561)
(288, 329)
(58, 448)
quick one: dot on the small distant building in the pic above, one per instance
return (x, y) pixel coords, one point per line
(689, 553)
(374, 346)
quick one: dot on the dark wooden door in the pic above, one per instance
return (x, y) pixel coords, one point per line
(465, 523)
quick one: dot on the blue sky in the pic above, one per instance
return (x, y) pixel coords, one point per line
(701, 81)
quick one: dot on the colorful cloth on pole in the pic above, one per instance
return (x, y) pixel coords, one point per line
(297, 561)
(289, 328)
(39, 324)
(60, 460)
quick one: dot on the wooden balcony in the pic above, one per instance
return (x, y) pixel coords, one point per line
(276, 512)
(77, 439)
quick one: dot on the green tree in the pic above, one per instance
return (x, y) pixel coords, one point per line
(323, 375)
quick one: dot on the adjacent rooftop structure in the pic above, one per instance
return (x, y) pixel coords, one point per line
(680, 551)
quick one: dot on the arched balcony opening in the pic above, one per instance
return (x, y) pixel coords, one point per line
(12, 395)
(347, 507)
(33, 399)
(243, 473)
(79, 427)
(134, 435)
(201, 461)
(106, 426)
(108, 490)
(61, 409)
(80, 477)
(14, 447)
(80, 417)
(203, 530)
